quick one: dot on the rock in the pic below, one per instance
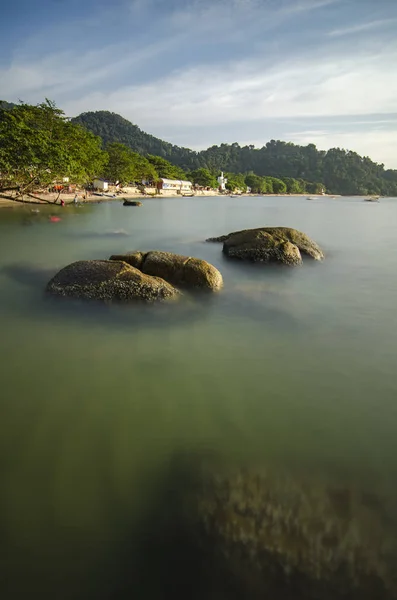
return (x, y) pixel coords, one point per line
(184, 271)
(269, 244)
(109, 281)
(284, 536)
(132, 203)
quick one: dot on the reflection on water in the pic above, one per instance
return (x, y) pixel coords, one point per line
(284, 369)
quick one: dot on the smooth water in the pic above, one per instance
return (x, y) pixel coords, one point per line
(285, 366)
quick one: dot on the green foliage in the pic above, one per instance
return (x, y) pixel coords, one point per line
(257, 184)
(236, 182)
(114, 128)
(294, 186)
(279, 187)
(125, 166)
(339, 171)
(202, 177)
(315, 188)
(38, 145)
(165, 169)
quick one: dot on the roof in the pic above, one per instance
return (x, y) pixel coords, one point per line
(179, 181)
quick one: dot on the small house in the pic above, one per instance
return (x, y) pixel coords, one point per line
(101, 184)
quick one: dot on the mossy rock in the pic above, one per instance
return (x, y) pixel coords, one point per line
(184, 271)
(269, 244)
(109, 281)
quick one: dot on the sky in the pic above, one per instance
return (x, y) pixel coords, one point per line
(203, 72)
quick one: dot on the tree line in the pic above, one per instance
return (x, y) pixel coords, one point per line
(39, 145)
(339, 171)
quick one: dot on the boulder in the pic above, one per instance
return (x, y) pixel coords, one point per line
(184, 271)
(109, 281)
(269, 244)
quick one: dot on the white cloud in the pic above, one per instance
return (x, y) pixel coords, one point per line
(360, 27)
(378, 144)
(332, 80)
(249, 91)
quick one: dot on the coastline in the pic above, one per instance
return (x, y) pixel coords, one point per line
(91, 199)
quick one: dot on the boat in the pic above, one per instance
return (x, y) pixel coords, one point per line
(188, 195)
(311, 198)
(372, 199)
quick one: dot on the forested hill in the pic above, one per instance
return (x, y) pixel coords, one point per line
(114, 128)
(341, 171)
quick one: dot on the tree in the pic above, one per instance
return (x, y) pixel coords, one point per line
(125, 166)
(294, 186)
(315, 188)
(256, 183)
(203, 177)
(236, 181)
(39, 145)
(165, 169)
(279, 187)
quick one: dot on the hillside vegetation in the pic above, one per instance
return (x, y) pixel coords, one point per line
(340, 171)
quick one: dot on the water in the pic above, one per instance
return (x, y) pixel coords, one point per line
(291, 367)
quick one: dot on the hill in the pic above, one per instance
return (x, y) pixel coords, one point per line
(341, 171)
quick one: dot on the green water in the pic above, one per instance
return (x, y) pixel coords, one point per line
(285, 366)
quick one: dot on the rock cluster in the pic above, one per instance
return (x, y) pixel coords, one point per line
(147, 276)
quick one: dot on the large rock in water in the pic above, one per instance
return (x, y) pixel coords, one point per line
(108, 281)
(184, 271)
(269, 244)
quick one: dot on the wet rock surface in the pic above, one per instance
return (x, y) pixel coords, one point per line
(109, 281)
(269, 244)
(185, 271)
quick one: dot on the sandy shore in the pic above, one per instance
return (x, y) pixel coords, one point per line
(68, 198)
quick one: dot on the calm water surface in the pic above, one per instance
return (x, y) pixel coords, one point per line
(296, 366)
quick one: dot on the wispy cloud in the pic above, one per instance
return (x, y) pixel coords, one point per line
(250, 90)
(298, 6)
(231, 66)
(378, 144)
(361, 27)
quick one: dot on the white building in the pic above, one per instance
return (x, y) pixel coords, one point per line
(174, 185)
(222, 181)
(101, 184)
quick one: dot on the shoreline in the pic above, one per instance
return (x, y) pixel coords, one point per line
(91, 199)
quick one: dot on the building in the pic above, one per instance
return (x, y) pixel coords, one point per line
(101, 184)
(222, 181)
(174, 185)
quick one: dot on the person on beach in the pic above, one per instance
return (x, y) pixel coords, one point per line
(62, 202)
(75, 199)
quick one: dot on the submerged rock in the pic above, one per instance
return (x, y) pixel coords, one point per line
(184, 271)
(281, 536)
(269, 244)
(109, 281)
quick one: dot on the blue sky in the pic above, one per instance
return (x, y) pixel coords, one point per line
(202, 72)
